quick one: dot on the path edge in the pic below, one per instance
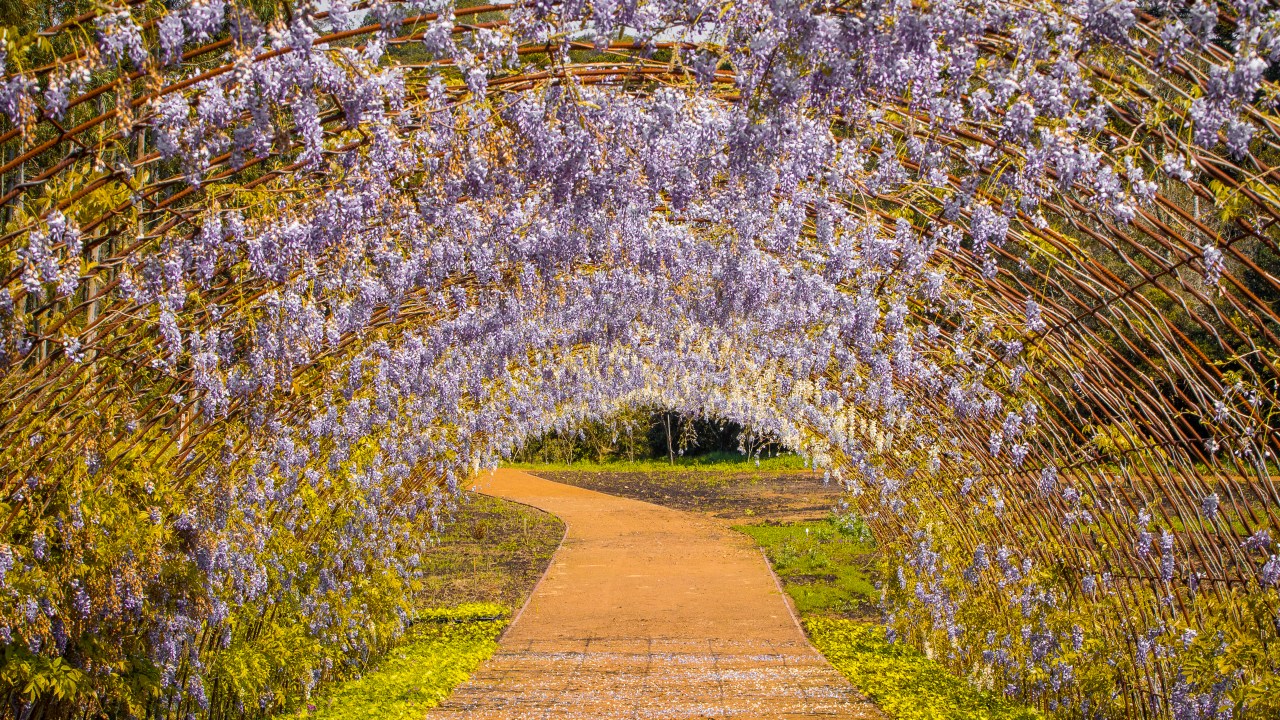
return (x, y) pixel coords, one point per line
(786, 598)
(563, 536)
(795, 618)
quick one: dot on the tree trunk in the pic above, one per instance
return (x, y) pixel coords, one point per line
(666, 425)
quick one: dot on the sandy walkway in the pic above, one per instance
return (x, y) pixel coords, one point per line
(648, 612)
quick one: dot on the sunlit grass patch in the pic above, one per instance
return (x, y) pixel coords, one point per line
(443, 647)
(828, 567)
(900, 679)
(825, 567)
(491, 550)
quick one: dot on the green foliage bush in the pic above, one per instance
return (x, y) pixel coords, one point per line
(648, 434)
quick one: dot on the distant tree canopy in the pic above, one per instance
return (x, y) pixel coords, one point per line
(645, 433)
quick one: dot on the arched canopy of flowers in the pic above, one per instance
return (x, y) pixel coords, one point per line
(278, 278)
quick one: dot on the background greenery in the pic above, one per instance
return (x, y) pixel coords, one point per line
(648, 435)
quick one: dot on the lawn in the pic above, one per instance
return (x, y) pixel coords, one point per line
(714, 462)
(827, 567)
(492, 551)
(781, 490)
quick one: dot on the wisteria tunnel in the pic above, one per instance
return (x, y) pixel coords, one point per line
(280, 276)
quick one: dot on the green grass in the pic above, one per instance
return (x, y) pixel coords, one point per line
(827, 567)
(824, 566)
(902, 680)
(716, 462)
(443, 648)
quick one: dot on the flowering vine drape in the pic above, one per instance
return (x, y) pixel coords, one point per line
(278, 279)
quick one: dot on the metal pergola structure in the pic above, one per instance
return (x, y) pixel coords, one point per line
(1150, 341)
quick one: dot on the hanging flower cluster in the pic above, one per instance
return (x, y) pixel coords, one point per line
(277, 286)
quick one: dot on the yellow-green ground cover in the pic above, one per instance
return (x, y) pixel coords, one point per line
(441, 650)
(485, 562)
(828, 567)
(905, 683)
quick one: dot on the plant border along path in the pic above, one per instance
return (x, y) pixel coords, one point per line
(647, 612)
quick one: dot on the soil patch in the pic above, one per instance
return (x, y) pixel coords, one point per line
(738, 497)
(492, 551)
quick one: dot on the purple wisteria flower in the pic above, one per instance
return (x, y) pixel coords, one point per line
(1260, 540)
(1270, 571)
(855, 260)
(1214, 265)
(1167, 561)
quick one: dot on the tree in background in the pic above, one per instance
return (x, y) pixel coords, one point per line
(645, 433)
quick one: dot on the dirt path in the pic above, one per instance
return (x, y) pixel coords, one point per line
(648, 612)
